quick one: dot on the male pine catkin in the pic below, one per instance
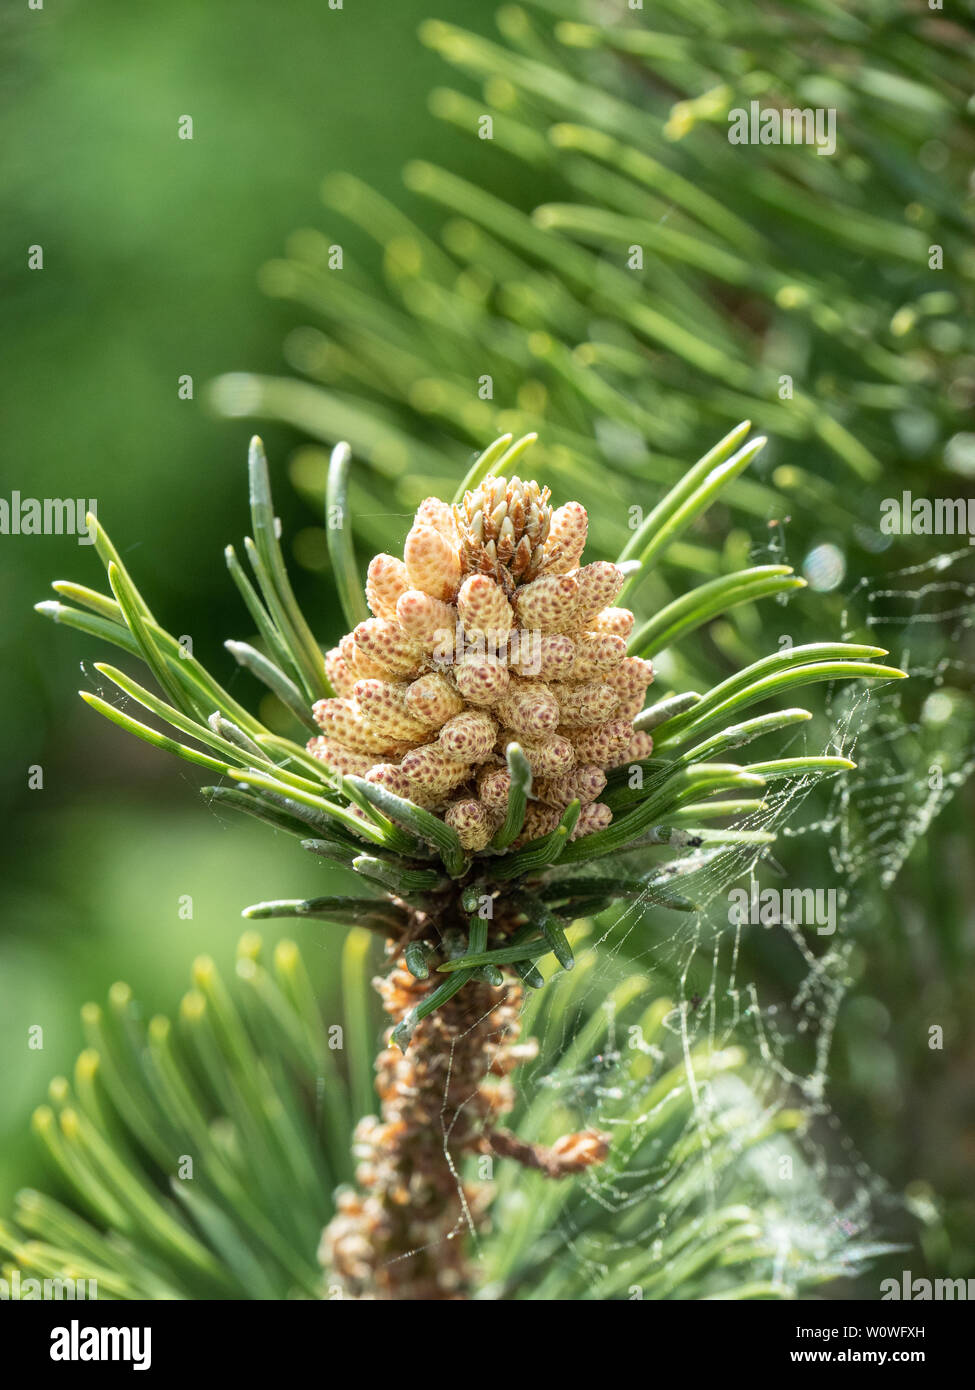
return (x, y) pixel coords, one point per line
(490, 632)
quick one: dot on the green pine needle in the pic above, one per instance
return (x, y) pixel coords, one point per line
(518, 794)
(341, 547)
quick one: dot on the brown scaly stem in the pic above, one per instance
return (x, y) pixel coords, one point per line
(403, 1233)
(401, 1236)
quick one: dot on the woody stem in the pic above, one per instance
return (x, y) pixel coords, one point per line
(403, 1233)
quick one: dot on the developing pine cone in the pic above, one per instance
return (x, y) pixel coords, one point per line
(489, 631)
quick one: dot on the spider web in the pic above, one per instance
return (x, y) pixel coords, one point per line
(774, 990)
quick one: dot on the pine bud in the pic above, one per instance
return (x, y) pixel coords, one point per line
(340, 675)
(599, 584)
(432, 562)
(385, 581)
(605, 744)
(340, 721)
(547, 656)
(539, 820)
(640, 747)
(616, 621)
(596, 652)
(503, 526)
(469, 736)
(433, 512)
(547, 757)
(383, 705)
(361, 666)
(433, 770)
(483, 608)
(482, 680)
(566, 538)
(593, 817)
(472, 821)
(339, 759)
(386, 644)
(428, 622)
(493, 785)
(530, 709)
(630, 680)
(581, 705)
(394, 779)
(547, 604)
(583, 784)
(433, 700)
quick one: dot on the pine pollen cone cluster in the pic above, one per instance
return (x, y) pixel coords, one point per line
(489, 631)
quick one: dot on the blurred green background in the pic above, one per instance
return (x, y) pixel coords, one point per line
(151, 250)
